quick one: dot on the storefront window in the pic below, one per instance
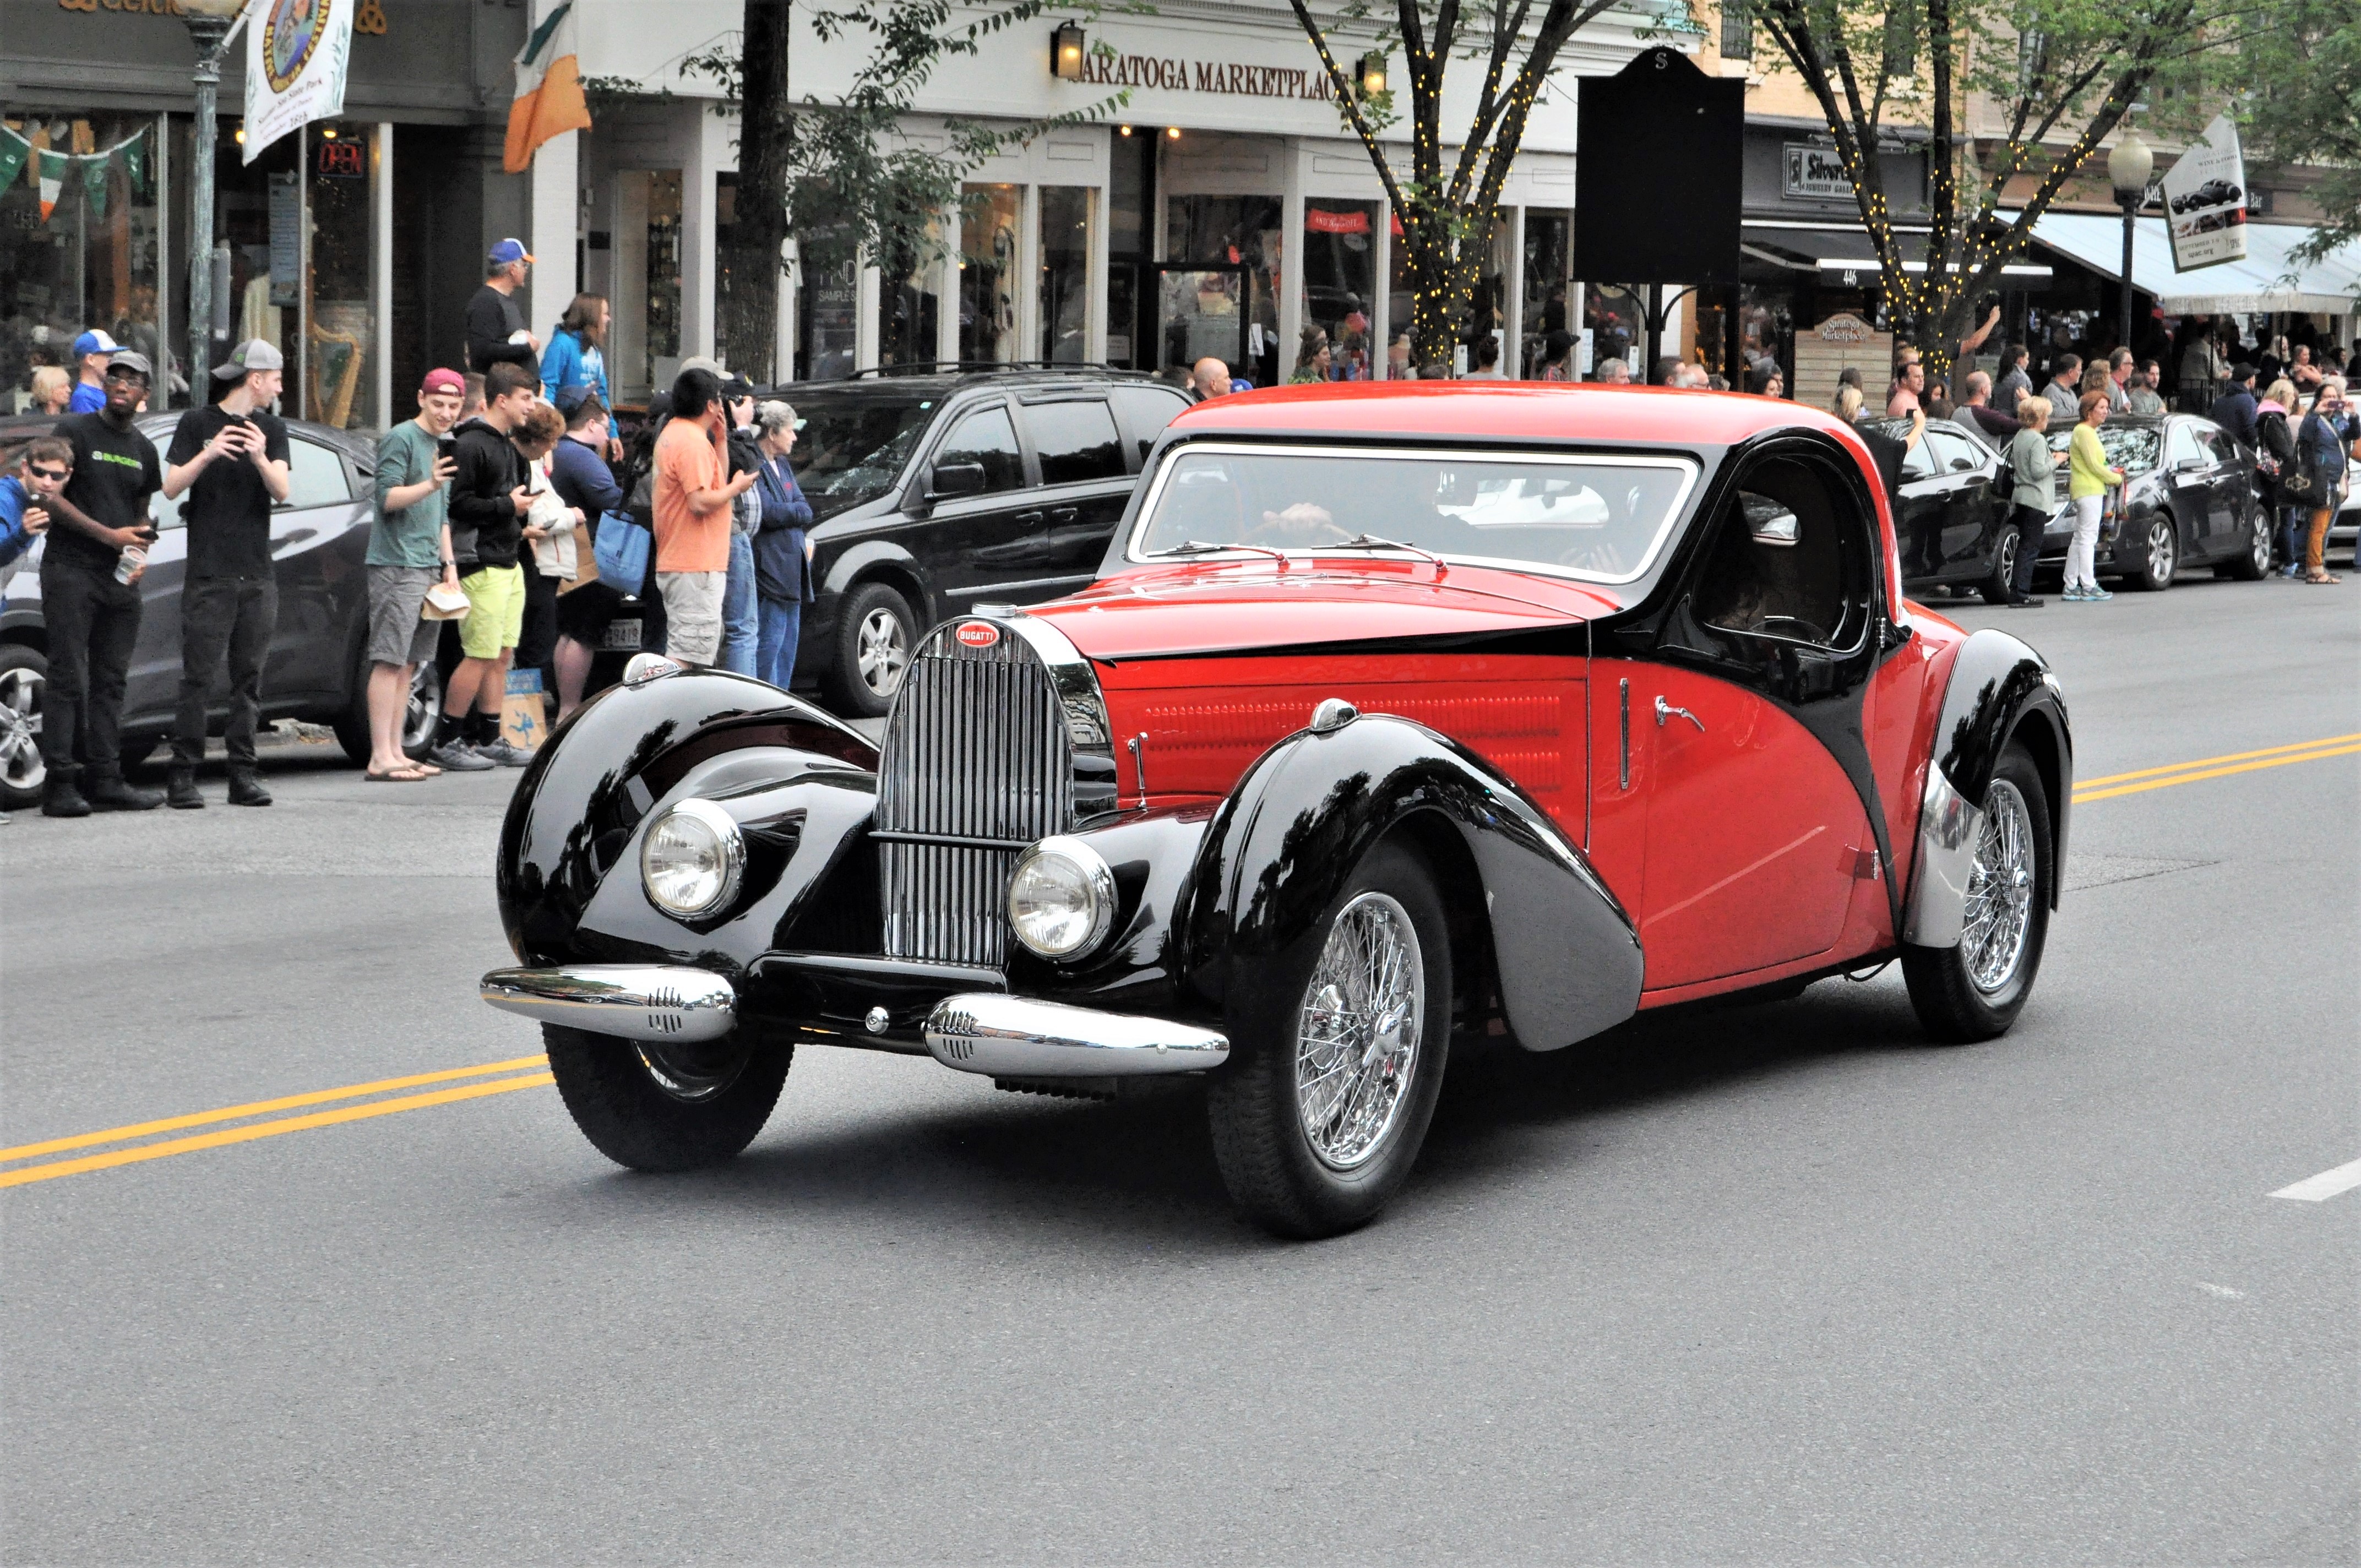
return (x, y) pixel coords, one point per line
(828, 336)
(1617, 318)
(990, 219)
(1065, 297)
(340, 374)
(1549, 272)
(663, 351)
(90, 261)
(259, 215)
(1400, 363)
(1339, 274)
(1235, 230)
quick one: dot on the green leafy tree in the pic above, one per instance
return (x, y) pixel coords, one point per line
(2303, 106)
(1447, 201)
(837, 174)
(2055, 75)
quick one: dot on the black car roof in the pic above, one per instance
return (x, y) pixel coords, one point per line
(360, 448)
(942, 381)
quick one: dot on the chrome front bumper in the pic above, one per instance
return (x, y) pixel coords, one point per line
(1014, 1036)
(632, 1002)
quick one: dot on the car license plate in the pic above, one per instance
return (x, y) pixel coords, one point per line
(623, 637)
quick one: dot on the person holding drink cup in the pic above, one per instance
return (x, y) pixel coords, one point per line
(408, 555)
(231, 460)
(99, 536)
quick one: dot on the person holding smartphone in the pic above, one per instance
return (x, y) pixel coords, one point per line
(409, 554)
(99, 536)
(231, 460)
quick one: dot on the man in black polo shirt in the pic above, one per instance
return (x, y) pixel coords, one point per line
(90, 597)
(231, 460)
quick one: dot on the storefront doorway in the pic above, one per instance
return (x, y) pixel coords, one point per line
(1195, 312)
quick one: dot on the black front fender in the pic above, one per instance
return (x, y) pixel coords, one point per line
(1281, 850)
(578, 805)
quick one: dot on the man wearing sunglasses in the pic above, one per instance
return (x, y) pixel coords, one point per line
(24, 495)
(90, 597)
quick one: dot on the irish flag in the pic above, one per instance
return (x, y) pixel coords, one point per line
(548, 91)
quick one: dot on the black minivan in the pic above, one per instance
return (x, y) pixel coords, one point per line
(932, 492)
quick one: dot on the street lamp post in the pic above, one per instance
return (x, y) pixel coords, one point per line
(209, 22)
(2128, 167)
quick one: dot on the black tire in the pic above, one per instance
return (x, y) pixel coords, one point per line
(723, 1095)
(866, 612)
(1950, 1002)
(1996, 586)
(23, 672)
(2160, 556)
(133, 750)
(352, 726)
(1261, 1144)
(2253, 564)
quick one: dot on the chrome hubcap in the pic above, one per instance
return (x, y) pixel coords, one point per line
(883, 651)
(2159, 552)
(21, 767)
(2262, 546)
(1357, 1034)
(2000, 891)
(425, 706)
(694, 1073)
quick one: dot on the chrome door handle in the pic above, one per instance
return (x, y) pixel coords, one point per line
(1665, 710)
(1028, 520)
(1060, 516)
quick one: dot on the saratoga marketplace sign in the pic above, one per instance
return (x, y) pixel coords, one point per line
(1173, 73)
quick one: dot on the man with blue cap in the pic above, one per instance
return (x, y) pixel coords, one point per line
(92, 350)
(496, 330)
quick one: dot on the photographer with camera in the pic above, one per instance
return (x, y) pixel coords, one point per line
(408, 555)
(89, 596)
(231, 460)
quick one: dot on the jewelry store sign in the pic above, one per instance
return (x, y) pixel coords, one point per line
(1814, 174)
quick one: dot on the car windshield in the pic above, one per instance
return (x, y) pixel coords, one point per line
(2131, 447)
(851, 449)
(1586, 515)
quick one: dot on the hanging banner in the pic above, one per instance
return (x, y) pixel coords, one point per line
(50, 172)
(2205, 200)
(296, 52)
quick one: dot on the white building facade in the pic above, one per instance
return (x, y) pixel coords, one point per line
(1220, 209)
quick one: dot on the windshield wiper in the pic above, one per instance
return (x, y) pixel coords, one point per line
(1371, 541)
(1199, 547)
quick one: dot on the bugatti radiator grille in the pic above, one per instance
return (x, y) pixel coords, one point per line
(976, 766)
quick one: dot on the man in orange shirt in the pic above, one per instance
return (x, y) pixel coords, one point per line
(692, 498)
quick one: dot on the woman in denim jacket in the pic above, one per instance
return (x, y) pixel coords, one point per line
(783, 552)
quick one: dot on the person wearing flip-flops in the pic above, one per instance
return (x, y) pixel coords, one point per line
(2320, 448)
(408, 555)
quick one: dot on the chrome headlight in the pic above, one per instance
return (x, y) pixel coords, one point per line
(691, 859)
(1061, 898)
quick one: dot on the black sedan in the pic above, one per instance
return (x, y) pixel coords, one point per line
(2189, 501)
(315, 669)
(1951, 514)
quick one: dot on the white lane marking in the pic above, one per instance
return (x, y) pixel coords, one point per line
(2326, 1185)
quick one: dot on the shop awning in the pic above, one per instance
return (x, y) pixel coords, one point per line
(2265, 281)
(1844, 257)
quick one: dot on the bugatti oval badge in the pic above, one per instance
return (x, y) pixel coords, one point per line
(978, 633)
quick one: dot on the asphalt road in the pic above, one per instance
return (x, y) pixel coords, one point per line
(1779, 1285)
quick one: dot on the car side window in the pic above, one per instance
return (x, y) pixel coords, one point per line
(1075, 440)
(1790, 559)
(315, 476)
(2182, 447)
(2213, 446)
(986, 437)
(1920, 462)
(1952, 453)
(1146, 411)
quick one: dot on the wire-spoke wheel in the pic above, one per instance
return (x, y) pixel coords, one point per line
(1335, 1066)
(22, 772)
(1356, 1038)
(1975, 989)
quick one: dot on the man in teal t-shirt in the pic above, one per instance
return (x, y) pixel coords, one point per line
(409, 552)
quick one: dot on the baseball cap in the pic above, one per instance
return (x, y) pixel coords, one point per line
(248, 357)
(444, 383)
(737, 388)
(704, 362)
(131, 359)
(508, 251)
(571, 398)
(94, 342)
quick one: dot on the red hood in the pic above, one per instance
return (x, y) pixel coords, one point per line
(1223, 606)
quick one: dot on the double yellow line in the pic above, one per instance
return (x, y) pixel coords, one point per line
(2146, 779)
(49, 1169)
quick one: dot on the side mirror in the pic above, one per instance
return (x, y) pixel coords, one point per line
(956, 479)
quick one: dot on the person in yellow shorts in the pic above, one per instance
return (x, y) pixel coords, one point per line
(488, 500)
